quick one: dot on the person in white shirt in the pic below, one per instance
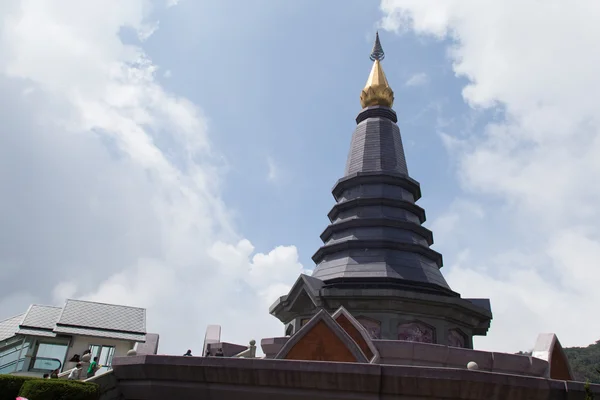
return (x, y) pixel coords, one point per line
(75, 374)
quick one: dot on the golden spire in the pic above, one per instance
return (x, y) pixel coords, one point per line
(377, 91)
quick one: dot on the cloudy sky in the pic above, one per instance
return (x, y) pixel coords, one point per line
(179, 155)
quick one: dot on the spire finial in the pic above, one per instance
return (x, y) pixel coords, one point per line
(377, 92)
(377, 52)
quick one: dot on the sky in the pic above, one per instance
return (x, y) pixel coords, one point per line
(180, 155)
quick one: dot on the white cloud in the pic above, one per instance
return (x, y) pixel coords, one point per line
(534, 172)
(110, 185)
(447, 225)
(418, 79)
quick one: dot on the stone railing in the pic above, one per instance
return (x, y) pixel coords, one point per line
(169, 377)
(82, 376)
(108, 384)
(65, 374)
(396, 352)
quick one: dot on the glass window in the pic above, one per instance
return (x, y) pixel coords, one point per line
(9, 357)
(49, 356)
(51, 350)
(105, 355)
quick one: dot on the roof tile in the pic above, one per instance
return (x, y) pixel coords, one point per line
(101, 316)
(9, 326)
(43, 317)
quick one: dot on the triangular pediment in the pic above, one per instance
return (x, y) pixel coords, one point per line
(303, 296)
(302, 303)
(357, 332)
(548, 347)
(302, 299)
(322, 339)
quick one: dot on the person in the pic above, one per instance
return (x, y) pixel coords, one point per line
(93, 368)
(75, 374)
(188, 354)
(219, 352)
(46, 376)
(54, 374)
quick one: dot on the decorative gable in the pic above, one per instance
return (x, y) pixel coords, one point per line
(322, 339)
(303, 296)
(357, 332)
(548, 347)
(302, 302)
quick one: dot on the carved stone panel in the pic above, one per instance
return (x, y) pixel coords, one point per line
(456, 338)
(416, 332)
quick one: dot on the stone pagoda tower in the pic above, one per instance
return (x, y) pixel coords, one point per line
(376, 259)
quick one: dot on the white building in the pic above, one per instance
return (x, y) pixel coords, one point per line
(46, 338)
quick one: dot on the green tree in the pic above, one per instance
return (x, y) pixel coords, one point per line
(588, 392)
(585, 362)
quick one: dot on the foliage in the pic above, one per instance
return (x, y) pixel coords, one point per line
(585, 362)
(10, 385)
(588, 391)
(58, 389)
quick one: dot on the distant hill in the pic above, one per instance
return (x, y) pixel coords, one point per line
(585, 362)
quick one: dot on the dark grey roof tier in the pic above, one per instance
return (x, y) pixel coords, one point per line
(376, 144)
(375, 236)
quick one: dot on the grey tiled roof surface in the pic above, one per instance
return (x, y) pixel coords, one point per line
(68, 330)
(87, 314)
(9, 327)
(78, 318)
(44, 317)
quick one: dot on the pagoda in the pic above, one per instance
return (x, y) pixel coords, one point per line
(376, 320)
(376, 261)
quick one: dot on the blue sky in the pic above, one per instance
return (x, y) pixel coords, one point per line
(179, 156)
(287, 93)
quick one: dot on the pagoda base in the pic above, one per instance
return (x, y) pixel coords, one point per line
(389, 312)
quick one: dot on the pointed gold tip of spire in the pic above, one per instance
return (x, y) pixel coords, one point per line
(377, 91)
